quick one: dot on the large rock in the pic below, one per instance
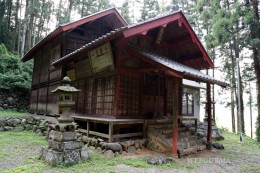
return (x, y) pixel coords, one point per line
(13, 121)
(115, 147)
(10, 101)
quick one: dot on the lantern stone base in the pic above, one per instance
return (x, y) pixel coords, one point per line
(64, 147)
(68, 157)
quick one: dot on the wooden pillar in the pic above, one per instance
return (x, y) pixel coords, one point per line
(209, 137)
(176, 109)
(111, 131)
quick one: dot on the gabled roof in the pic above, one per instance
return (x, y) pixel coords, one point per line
(65, 27)
(107, 37)
(163, 20)
(187, 72)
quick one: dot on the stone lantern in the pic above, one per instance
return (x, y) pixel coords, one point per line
(64, 146)
(65, 105)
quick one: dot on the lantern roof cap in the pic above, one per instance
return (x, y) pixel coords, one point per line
(66, 87)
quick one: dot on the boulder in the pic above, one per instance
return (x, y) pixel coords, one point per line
(115, 147)
(13, 122)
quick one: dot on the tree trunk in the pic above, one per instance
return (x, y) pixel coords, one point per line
(255, 34)
(15, 35)
(24, 28)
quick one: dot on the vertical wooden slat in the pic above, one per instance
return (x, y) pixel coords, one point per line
(209, 136)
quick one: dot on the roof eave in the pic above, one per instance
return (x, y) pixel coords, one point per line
(62, 28)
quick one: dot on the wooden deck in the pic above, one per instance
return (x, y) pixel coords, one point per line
(111, 123)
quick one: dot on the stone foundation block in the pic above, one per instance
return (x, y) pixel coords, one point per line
(61, 146)
(72, 156)
(62, 136)
(51, 157)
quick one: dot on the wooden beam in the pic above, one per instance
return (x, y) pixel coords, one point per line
(151, 24)
(196, 40)
(209, 135)
(150, 61)
(128, 135)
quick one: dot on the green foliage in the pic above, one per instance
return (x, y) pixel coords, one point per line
(150, 9)
(5, 34)
(14, 75)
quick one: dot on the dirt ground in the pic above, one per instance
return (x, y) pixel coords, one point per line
(21, 155)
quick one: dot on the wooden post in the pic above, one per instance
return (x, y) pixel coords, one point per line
(110, 139)
(87, 128)
(176, 89)
(209, 137)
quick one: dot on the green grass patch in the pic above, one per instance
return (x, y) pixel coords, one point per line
(232, 140)
(14, 144)
(7, 113)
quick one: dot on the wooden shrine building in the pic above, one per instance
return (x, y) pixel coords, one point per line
(126, 73)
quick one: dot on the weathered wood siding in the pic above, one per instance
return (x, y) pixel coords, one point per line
(44, 80)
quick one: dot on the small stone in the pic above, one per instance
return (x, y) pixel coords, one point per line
(156, 160)
(2, 122)
(137, 144)
(38, 131)
(131, 149)
(2, 129)
(23, 121)
(129, 143)
(109, 153)
(84, 139)
(99, 149)
(19, 128)
(116, 154)
(9, 128)
(84, 154)
(124, 153)
(218, 146)
(94, 142)
(91, 148)
(124, 146)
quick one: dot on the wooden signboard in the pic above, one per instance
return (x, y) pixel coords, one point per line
(101, 58)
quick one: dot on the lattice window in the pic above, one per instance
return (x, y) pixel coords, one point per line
(154, 84)
(129, 95)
